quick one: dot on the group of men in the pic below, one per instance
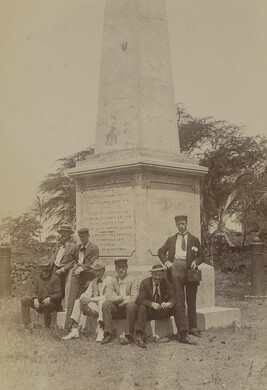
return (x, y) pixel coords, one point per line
(92, 293)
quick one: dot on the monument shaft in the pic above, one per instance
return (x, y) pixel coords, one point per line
(136, 106)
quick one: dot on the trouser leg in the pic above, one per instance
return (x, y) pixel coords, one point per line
(131, 313)
(142, 315)
(73, 295)
(180, 311)
(76, 311)
(108, 310)
(48, 310)
(191, 296)
(26, 304)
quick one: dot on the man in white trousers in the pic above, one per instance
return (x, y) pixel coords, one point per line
(90, 303)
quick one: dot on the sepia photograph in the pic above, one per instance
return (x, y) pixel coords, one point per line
(133, 213)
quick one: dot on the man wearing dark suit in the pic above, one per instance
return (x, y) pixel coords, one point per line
(156, 300)
(45, 296)
(63, 258)
(180, 253)
(82, 273)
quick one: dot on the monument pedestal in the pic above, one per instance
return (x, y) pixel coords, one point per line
(129, 206)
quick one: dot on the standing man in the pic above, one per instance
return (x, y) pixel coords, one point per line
(156, 301)
(90, 302)
(82, 273)
(121, 294)
(46, 294)
(63, 258)
(180, 253)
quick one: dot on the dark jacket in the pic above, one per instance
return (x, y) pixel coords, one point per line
(193, 252)
(90, 255)
(69, 257)
(47, 287)
(145, 296)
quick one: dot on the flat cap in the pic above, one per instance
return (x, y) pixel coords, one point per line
(120, 262)
(180, 218)
(83, 231)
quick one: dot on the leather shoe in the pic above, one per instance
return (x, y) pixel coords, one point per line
(107, 339)
(185, 339)
(125, 340)
(195, 332)
(140, 342)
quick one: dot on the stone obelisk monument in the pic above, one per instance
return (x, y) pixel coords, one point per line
(137, 180)
(129, 191)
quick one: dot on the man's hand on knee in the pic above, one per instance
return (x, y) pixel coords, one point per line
(36, 303)
(155, 306)
(47, 301)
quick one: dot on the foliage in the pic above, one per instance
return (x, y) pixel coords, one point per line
(230, 155)
(20, 231)
(59, 191)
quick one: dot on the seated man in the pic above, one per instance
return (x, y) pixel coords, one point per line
(90, 302)
(121, 294)
(46, 294)
(156, 300)
(82, 273)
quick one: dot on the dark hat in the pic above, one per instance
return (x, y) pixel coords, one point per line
(98, 264)
(65, 229)
(83, 231)
(157, 267)
(180, 218)
(43, 261)
(120, 262)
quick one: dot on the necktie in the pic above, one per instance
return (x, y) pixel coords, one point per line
(99, 281)
(82, 249)
(156, 296)
(183, 246)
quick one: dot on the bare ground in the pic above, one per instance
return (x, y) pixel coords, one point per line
(226, 358)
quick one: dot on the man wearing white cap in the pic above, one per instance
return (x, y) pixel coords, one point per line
(180, 253)
(90, 302)
(46, 294)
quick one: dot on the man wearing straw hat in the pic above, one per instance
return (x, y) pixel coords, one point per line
(156, 300)
(64, 257)
(46, 294)
(90, 303)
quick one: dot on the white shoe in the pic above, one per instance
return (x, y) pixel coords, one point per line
(100, 335)
(74, 334)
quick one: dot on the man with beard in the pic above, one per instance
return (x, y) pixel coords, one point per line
(46, 294)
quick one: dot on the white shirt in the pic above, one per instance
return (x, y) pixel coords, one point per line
(179, 253)
(122, 284)
(81, 254)
(59, 255)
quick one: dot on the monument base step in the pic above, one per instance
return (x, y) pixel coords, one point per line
(210, 317)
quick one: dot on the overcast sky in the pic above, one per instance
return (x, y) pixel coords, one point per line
(49, 70)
